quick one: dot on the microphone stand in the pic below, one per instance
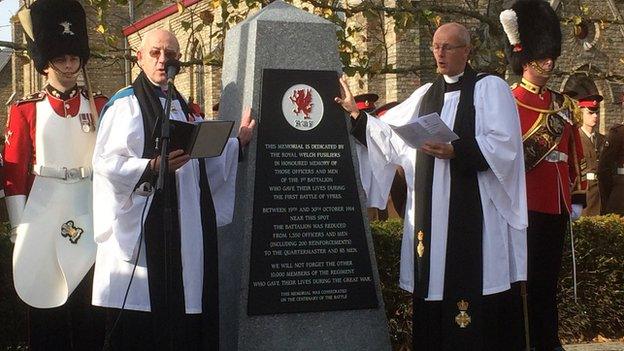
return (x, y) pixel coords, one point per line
(163, 187)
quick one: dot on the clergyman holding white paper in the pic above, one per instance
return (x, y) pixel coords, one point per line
(464, 239)
(423, 129)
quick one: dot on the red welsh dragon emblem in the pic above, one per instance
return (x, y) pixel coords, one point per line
(302, 99)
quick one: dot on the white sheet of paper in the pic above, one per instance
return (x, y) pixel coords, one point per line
(426, 128)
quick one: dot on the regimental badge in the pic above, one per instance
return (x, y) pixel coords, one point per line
(86, 122)
(69, 230)
(66, 29)
(463, 318)
(302, 107)
(420, 249)
(555, 125)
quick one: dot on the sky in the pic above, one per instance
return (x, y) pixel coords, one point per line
(8, 8)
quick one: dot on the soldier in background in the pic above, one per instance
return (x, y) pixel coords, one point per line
(195, 111)
(366, 102)
(611, 171)
(593, 143)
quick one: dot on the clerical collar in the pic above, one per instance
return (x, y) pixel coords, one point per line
(156, 86)
(535, 89)
(453, 79)
(452, 83)
(62, 95)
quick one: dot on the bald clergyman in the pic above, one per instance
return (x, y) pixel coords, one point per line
(464, 240)
(173, 305)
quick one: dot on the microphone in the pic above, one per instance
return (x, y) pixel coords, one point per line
(172, 67)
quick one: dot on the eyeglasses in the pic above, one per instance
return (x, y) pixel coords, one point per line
(445, 47)
(169, 54)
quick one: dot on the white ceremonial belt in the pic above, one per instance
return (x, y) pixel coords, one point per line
(620, 170)
(592, 176)
(63, 173)
(556, 156)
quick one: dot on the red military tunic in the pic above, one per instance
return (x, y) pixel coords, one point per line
(20, 148)
(48, 193)
(551, 186)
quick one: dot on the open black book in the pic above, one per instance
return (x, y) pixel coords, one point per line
(199, 140)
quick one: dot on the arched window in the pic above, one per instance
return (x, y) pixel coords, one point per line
(198, 85)
(579, 84)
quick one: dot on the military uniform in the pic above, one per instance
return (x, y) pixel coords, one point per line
(611, 172)
(49, 144)
(553, 161)
(589, 108)
(553, 158)
(592, 148)
(553, 151)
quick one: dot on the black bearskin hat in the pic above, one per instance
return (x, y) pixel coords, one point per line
(58, 27)
(533, 31)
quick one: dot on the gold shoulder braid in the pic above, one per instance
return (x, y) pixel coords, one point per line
(545, 134)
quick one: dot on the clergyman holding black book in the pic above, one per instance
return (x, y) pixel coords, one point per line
(172, 296)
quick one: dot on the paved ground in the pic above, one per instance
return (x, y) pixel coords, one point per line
(606, 346)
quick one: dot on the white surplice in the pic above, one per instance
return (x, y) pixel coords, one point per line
(501, 187)
(118, 208)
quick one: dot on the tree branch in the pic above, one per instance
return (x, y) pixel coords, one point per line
(495, 26)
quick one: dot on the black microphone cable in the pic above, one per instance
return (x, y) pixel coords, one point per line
(107, 338)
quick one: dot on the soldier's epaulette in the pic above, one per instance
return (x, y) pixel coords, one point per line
(96, 95)
(38, 96)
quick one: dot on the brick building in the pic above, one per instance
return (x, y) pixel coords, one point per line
(599, 52)
(6, 89)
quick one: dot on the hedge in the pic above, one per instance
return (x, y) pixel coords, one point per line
(599, 309)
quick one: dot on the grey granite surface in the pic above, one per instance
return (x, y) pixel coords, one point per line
(280, 37)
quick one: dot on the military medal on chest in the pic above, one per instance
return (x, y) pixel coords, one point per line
(86, 122)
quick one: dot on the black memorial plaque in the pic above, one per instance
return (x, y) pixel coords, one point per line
(309, 251)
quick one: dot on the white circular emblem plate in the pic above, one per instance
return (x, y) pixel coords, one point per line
(302, 107)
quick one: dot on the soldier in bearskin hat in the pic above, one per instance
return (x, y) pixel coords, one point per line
(553, 158)
(50, 137)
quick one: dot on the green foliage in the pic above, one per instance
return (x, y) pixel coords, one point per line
(599, 244)
(387, 239)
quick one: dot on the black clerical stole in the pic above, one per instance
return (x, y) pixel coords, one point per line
(463, 280)
(165, 264)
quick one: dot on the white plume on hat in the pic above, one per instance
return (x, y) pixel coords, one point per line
(509, 20)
